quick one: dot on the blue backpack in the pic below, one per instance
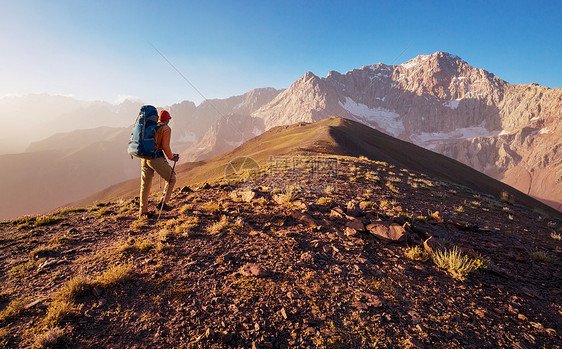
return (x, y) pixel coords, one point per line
(142, 143)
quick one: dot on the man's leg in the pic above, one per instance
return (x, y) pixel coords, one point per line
(147, 173)
(161, 166)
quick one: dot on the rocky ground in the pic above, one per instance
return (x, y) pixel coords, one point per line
(353, 260)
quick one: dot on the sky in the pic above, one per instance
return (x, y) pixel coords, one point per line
(107, 50)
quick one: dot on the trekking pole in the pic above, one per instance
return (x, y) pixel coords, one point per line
(167, 188)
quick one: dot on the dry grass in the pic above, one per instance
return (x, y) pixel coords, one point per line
(57, 311)
(392, 187)
(115, 276)
(44, 220)
(417, 253)
(541, 256)
(12, 310)
(74, 288)
(289, 195)
(185, 209)
(49, 339)
(139, 223)
(218, 227)
(507, 198)
(326, 201)
(41, 251)
(132, 245)
(61, 240)
(385, 205)
(211, 206)
(455, 262)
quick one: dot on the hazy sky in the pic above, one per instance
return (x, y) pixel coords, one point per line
(101, 49)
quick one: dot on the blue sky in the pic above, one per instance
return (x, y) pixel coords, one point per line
(101, 49)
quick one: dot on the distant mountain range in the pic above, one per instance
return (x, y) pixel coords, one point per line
(512, 133)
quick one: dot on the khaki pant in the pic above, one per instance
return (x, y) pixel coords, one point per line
(161, 166)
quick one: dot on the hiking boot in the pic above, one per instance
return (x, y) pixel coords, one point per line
(164, 207)
(147, 215)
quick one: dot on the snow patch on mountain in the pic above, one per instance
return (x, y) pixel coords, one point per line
(387, 121)
(429, 140)
(454, 104)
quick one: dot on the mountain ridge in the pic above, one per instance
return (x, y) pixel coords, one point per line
(331, 136)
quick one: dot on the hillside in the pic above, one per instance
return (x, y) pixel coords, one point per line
(63, 168)
(348, 256)
(337, 136)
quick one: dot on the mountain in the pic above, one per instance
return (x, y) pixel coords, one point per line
(63, 168)
(32, 118)
(355, 252)
(191, 123)
(332, 136)
(510, 132)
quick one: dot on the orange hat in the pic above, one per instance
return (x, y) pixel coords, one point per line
(164, 116)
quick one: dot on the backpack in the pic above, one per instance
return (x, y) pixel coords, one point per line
(142, 143)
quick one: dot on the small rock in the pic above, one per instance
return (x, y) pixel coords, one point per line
(300, 205)
(304, 218)
(257, 327)
(356, 224)
(227, 337)
(351, 232)
(284, 313)
(353, 209)
(414, 343)
(551, 331)
(521, 317)
(186, 189)
(393, 232)
(537, 325)
(480, 313)
(334, 214)
(308, 257)
(32, 304)
(252, 269)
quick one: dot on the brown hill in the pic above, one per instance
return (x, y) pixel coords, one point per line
(371, 255)
(63, 168)
(333, 136)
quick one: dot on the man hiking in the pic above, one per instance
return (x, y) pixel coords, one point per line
(159, 164)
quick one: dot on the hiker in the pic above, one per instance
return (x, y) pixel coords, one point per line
(159, 164)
